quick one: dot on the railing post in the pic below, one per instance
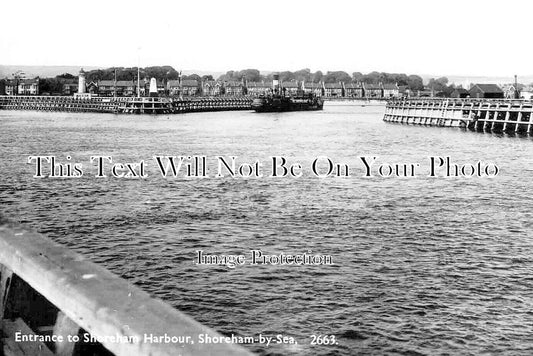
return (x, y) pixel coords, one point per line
(64, 326)
(6, 276)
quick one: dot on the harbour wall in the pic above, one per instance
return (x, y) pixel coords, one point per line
(48, 290)
(124, 105)
(145, 105)
(475, 114)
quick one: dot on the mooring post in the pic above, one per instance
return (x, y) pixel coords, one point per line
(530, 124)
(494, 121)
(506, 120)
(486, 120)
(518, 119)
(478, 116)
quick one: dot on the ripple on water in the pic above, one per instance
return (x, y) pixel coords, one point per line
(422, 266)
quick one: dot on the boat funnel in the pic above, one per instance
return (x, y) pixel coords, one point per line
(275, 81)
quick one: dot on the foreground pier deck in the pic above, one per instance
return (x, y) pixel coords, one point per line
(47, 290)
(125, 105)
(475, 114)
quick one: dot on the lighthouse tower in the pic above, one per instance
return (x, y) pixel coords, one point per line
(82, 91)
(81, 82)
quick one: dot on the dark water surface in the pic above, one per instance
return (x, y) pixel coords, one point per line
(421, 265)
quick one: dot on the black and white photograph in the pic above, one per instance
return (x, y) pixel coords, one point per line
(270, 178)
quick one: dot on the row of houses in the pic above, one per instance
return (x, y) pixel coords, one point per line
(192, 87)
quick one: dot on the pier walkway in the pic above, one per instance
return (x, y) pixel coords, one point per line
(495, 115)
(125, 105)
(49, 293)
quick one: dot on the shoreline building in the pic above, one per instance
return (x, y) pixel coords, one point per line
(512, 91)
(404, 91)
(354, 90)
(184, 87)
(290, 88)
(314, 88)
(70, 86)
(190, 87)
(28, 86)
(460, 93)
(373, 91)
(22, 86)
(234, 88)
(119, 88)
(259, 88)
(211, 88)
(391, 90)
(333, 89)
(486, 91)
(526, 93)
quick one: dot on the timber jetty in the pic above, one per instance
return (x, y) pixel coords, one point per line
(510, 115)
(54, 302)
(125, 105)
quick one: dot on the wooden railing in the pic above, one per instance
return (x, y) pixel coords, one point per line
(48, 290)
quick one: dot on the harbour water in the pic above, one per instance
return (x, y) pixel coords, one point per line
(421, 265)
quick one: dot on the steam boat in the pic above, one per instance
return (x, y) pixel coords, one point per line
(278, 101)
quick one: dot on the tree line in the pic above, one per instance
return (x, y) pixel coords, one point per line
(413, 82)
(165, 73)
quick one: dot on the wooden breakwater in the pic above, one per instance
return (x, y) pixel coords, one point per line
(495, 115)
(52, 295)
(125, 105)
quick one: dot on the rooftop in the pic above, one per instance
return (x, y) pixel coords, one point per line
(333, 85)
(390, 87)
(488, 88)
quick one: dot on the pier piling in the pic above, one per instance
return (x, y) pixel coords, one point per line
(125, 105)
(512, 116)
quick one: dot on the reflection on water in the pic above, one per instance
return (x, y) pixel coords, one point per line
(420, 265)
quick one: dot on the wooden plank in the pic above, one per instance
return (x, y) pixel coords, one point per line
(20, 348)
(64, 327)
(5, 281)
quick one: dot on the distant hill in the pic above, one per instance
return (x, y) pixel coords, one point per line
(52, 71)
(41, 71)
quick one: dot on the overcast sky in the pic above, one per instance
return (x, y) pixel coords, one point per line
(454, 37)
